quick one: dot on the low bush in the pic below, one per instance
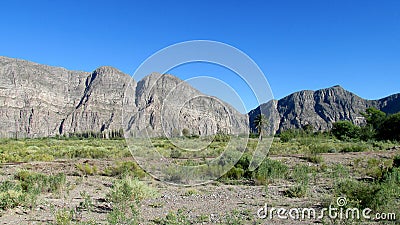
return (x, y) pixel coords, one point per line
(299, 174)
(27, 185)
(122, 169)
(271, 169)
(125, 195)
(354, 147)
(174, 218)
(314, 158)
(12, 195)
(40, 183)
(379, 195)
(234, 173)
(297, 191)
(359, 194)
(86, 169)
(130, 189)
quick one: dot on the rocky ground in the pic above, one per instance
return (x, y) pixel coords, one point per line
(205, 204)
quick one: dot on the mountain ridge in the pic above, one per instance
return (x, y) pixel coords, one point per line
(39, 100)
(320, 108)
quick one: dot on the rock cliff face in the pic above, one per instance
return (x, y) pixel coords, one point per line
(38, 100)
(321, 108)
(167, 106)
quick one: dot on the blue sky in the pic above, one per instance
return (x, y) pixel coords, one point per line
(309, 44)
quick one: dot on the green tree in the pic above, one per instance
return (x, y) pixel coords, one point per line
(260, 122)
(374, 117)
(345, 129)
(390, 128)
(367, 132)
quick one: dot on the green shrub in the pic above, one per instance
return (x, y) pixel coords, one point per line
(124, 214)
(271, 169)
(344, 130)
(124, 169)
(321, 148)
(220, 137)
(359, 194)
(191, 192)
(125, 196)
(130, 189)
(234, 173)
(300, 173)
(286, 136)
(12, 195)
(390, 129)
(339, 171)
(24, 191)
(297, 191)
(354, 147)
(174, 218)
(314, 159)
(40, 183)
(379, 195)
(64, 216)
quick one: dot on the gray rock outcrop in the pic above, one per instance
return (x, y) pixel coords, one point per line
(321, 108)
(167, 106)
(38, 100)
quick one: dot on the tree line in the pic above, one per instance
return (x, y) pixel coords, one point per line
(379, 126)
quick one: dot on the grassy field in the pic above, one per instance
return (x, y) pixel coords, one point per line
(310, 170)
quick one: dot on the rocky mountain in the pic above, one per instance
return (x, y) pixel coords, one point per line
(38, 100)
(167, 105)
(320, 109)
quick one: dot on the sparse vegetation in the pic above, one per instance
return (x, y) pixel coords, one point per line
(126, 195)
(26, 186)
(297, 191)
(121, 169)
(300, 160)
(87, 169)
(173, 218)
(48, 149)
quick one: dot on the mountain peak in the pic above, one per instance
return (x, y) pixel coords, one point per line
(155, 76)
(337, 87)
(107, 70)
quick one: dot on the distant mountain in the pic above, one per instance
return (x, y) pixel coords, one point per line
(38, 100)
(320, 109)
